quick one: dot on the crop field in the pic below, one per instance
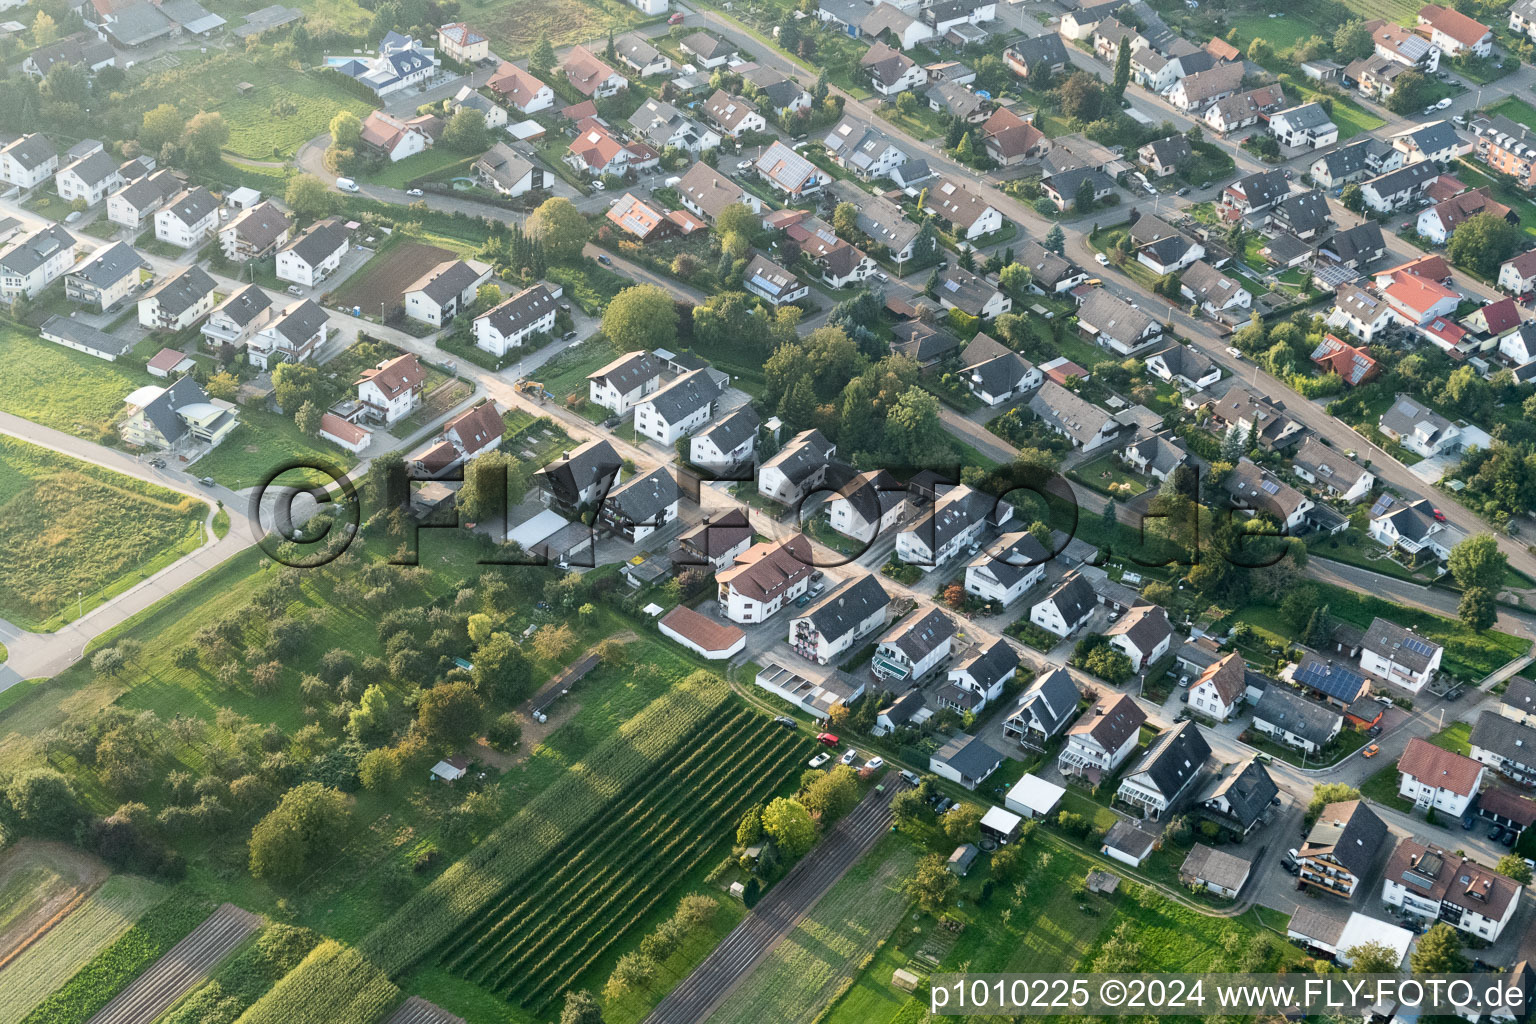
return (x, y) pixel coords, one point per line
(39, 881)
(109, 912)
(545, 932)
(383, 279)
(61, 388)
(514, 26)
(825, 950)
(181, 969)
(245, 976)
(71, 527)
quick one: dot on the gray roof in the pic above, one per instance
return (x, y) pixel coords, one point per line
(183, 291)
(322, 239)
(708, 46)
(879, 218)
(109, 266)
(504, 165)
(1305, 117)
(1126, 837)
(191, 16)
(1304, 211)
(445, 281)
(1185, 361)
(643, 499)
(1403, 646)
(244, 305)
(1433, 137)
(1520, 694)
(81, 333)
(685, 395)
(1351, 159)
(1170, 152)
(1263, 188)
(969, 756)
(919, 637)
(634, 48)
(730, 431)
(94, 169)
(901, 710)
(1406, 414)
(771, 277)
(991, 665)
(36, 249)
(628, 372)
(1413, 521)
(873, 494)
(1068, 412)
(150, 190)
(1161, 452)
(1248, 792)
(1113, 317)
(161, 410)
(838, 612)
(1012, 557)
(965, 290)
(138, 23)
(710, 189)
(592, 463)
(1208, 283)
(1145, 626)
(1052, 699)
(1505, 737)
(193, 205)
(1284, 708)
(952, 513)
(262, 225)
(1352, 244)
(1217, 867)
(1403, 179)
(807, 452)
(1073, 597)
(1329, 465)
(1352, 832)
(526, 307)
(1174, 758)
(1047, 268)
(1047, 47)
(31, 151)
(300, 321)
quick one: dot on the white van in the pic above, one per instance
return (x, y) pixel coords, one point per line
(347, 185)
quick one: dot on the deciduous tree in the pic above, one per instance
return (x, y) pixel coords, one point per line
(789, 825)
(932, 885)
(560, 227)
(304, 823)
(641, 317)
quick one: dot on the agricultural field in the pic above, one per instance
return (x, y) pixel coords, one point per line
(61, 388)
(382, 281)
(51, 961)
(39, 881)
(817, 960)
(182, 968)
(515, 26)
(72, 528)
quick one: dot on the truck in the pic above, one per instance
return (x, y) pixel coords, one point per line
(347, 185)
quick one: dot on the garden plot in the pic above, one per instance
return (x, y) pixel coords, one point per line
(383, 279)
(182, 969)
(40, 883)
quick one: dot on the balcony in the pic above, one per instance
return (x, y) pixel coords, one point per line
(888, 668)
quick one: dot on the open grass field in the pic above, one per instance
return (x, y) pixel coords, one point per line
(1516, 109)
(514, 26)
(825, 951)
(384, 278)
(264, 442)
(566, 373)
(72, 528)
(109, 912)
(61, 388)
(434, 163)
(283, 110)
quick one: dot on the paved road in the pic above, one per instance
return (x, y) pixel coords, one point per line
(739, 953)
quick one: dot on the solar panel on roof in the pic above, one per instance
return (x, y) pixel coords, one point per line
(1382, 504)
(1270, 487)
(1418, 646)
(1333, 680)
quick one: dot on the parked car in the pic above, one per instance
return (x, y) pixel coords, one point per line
(1445, 101)
(785, 721)
(676, 19)
(830, 739)
(1101, 259)
(1234, 352)
(414, 192)
(874, 764)
(604, 259)
(911, 777)
(1183, 191)
(1496, 833)
(206, 481)
(802, 600)
(820, 759)
(1372, 750)
(744, 165)
(1467, 823)
(1509, 838)
(849, 756)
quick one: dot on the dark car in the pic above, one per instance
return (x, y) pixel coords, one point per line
(1468, 822)
(785, 721)
(1509, 838)
(1496, 834)
(603, 259)
(1183, 191)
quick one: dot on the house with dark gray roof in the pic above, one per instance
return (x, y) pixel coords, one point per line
(1506, 745)
(180, 415)
(82, 337)
(1241, 798)
(1044, 710)
(1066, 608)
(106, 277)
(1156, 455)
(179, 301)
(1215, 870)
(237, 317)
(1142, 634)
(868, 505)
(729, 442)
(1362, 158)
(625, 382)
(581, 477)
(955, 521)
(799, 468)
(977, 681)
(311, 258)
(1171, 763)
(967, 760)
(680, 408)
(1399, 655)
(1110, 322)
(1085, 424)
(1355, 247)
(915, 647)
(1050, 273)
(28, 161)
(833, 625)
(292, 336)
(1341, 848)
(1256, 192)
(1008, 568)
(1185, 366)
(1289, 718)
(642, 505)
(995, 373)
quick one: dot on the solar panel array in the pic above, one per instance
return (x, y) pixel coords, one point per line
(1270, 487)
(1418, 646)
(1382, 504)
(1334, 680)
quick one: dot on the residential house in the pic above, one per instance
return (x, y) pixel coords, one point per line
(581, 478)
(788, 171)
(1196, 92)
(1517, 275)
(1044, 710)
(1399, 655)
(678, 409)
(708, 192)
(1066, 608)
(968, 215)
(1439, 221)
(292, 336)
(910, 708)
(35, 262)
(1171, 763)
(890, 71)
(640, 219)
(887, 21)
(255, 234)
(1086, 425)
(1354, 161)
(772, 283)
(1342, 845)
(868, 505)
(1243, 109)
(1257, 192)
(1214, 871)
(1506, 745)
(640, 506)
(1522, 18)
(1102, 738)
(1438, 779)
(960, 289)
(1032, 55)
(1307, 126)
(1394, 190)
(1162, 247)
(1214, 292)
(966, 760)
(504, 170)
(396, 138)
(1050, 273)
(799, 468)
(914, 648)
(445, 291)
(1332, 470)
(1220, 688)
(1356, 247)
(1164, 156)
(833, 626)
(783, 95)
(1008, 569)
(106, 277)
(520, 89)
(1156, 456)
(344, 433)
(515, 320)
(590, 76)
(1241, 409)
(91, 178)
(663, 125)
(392, 390)
(461, 43)
(28, 161)
(1506, 146)
(189, 220)
(1010, 140)
(1412, 529)
(716, 541)
(707, 50)
(84, 50)
(1433, 142)
(1062, 187)
(314, 255)
(765, 578)
(494, 113)
(727, 443)
(239, 316)
(1287, 717)
(1078, 23)
(1141, 634)
(978, 681)
(1112, 323)
(1519, 346)
(1419, 428)
(733, 115)
(1400, 45)
(1455, 33)
(179, 301)
(399, 64)
(1241, 800)
(994, 373)
(1436, 886)
(1304, 215)
(1185, 366)
(956, 101)
(625, 382)
(1360, 311)
(139, 199)
(180, 416)
(952, 524)
(1256, 489)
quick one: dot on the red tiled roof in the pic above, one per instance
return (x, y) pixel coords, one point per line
(1439, 767)
(348, 431)
(167, 359)
(1502, 315)
(708, 633)
(1466, 31)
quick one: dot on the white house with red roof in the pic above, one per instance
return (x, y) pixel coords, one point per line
(393, 137)
(1417, 300)
(1454, 32)
(1439, 779)
(590, 76)
(521, 89)
(344, 433)
(1517, 275)
(392, 390)
(596, 151)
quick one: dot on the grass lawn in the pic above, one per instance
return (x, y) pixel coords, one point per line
(431, 164)
(826, 950)
(1353, 547)
(924, 123)
(263, 443)
(62, 388)
(72, 528)
(90, 928)
(515, 28)
(1516, 109)
(1105, 472)
(1474, 177)
(566, 373)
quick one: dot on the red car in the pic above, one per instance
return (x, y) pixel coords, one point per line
(1439, 516)
(676, 19)
(829, 739)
